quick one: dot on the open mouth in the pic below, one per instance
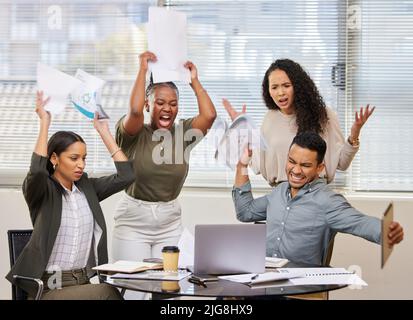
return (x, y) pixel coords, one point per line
(283, 102)
(165, 120)
(297, 178)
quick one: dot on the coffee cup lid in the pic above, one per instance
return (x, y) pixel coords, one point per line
(170, 249)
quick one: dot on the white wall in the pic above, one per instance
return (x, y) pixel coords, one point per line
(209, 206)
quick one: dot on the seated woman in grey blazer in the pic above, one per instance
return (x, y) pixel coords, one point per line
(69, 231)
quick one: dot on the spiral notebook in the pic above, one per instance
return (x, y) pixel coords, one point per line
(298, 276)
(325, 276)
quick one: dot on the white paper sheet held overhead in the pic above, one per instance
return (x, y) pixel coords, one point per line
(167, 40)
(57, 85)
(86, 98)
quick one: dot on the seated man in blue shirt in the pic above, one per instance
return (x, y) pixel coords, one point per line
(304, 213)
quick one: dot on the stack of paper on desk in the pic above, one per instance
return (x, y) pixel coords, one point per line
(128, 266)
(154, 275)
(271, 262)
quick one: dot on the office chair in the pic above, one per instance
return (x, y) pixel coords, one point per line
(326, 263)
(17, 241)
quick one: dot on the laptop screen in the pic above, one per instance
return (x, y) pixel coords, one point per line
(229, 248)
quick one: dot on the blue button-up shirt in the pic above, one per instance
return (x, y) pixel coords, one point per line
(301, 228)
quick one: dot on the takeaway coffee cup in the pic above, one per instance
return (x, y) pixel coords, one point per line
(170, 255)
(170, 286)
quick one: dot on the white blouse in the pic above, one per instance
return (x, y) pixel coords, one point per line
(71, 249)
(280, 129)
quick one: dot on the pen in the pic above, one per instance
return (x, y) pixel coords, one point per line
(197, 282)
(254, 277)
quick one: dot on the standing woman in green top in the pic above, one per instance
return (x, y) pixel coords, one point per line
(148, 216)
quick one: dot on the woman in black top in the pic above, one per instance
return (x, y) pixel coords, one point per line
(69, 231)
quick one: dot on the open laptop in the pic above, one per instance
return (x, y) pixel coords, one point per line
(229, 249)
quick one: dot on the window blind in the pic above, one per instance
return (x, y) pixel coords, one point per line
(231, 42)
(355, 51)
(380, 71)
(104, 39)
(234, 42)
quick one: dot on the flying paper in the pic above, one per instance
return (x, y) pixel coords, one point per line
(86, 98)
(241, 133)
(57, 85)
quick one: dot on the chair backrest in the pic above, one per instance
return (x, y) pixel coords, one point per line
(17, 241)
(329, 252)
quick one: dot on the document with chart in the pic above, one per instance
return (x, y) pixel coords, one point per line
(86, 98)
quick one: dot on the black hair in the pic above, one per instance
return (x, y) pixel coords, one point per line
(152, 86)
(57, 144)
(310, 109)
(312, 141)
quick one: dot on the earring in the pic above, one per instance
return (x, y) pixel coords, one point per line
(54, 167)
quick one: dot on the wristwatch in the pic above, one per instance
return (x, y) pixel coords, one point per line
(353, 142)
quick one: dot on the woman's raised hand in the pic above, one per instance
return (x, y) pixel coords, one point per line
(361, 118)
(246, 156)
(101, 125)
(231, 111)
(192, 69)
(45, 118)
(144, 58)
(40, 104)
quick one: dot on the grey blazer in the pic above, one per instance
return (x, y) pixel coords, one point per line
(45, 205)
